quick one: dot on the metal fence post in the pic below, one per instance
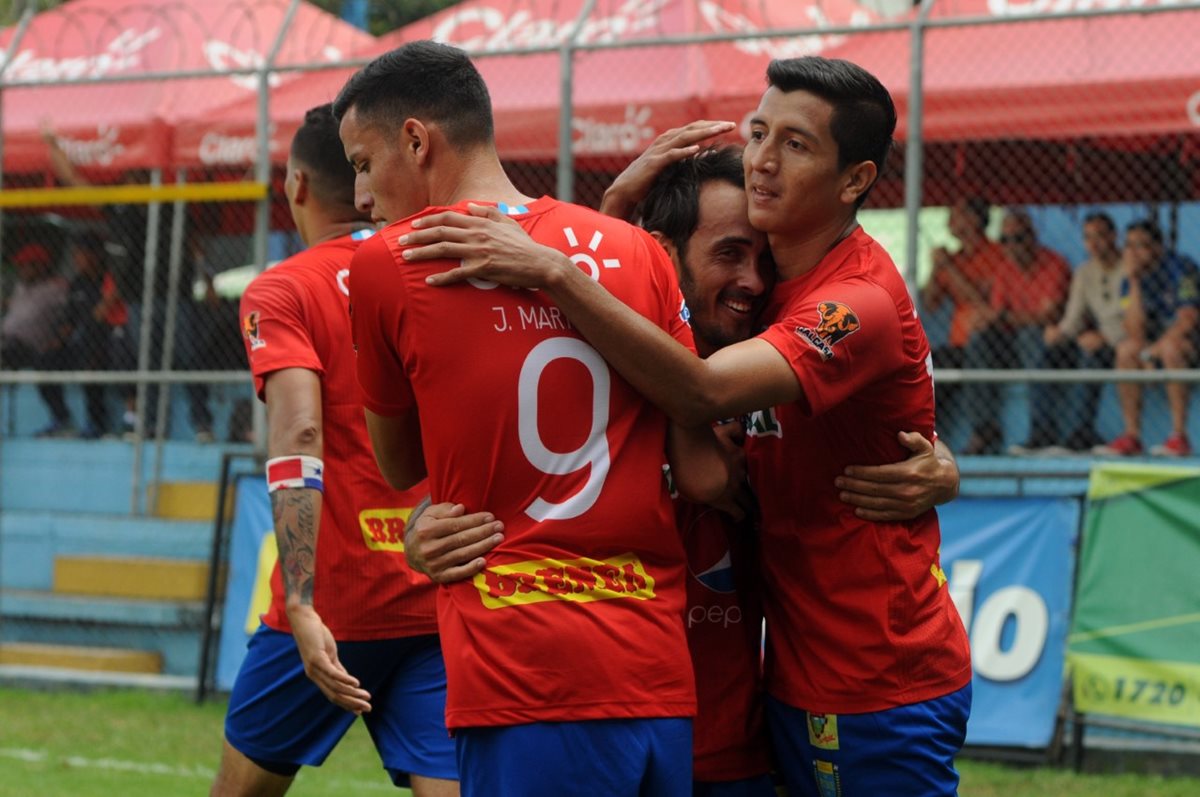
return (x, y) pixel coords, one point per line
(566, 79)
(145, 322)
(914, 155)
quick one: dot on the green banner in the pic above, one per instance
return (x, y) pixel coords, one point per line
(1134, 648)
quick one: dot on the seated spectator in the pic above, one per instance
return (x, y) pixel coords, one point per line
(29, 333)
(93, 313)
(1028, 290)
(1085, 337)
(1162, 311)
(964, 278)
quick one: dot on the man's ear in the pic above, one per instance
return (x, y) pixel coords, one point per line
(300, 178)
(668, 244)
(857, 179)
(414, 140)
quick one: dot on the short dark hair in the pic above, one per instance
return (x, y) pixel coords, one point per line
(1101, 218)
(1148, 226)
(980, 208)
(318, 149)
(672, 206)
(864, 116)
(316, 145)
(426, 80)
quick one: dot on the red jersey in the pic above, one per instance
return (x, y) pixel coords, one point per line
(578, 614)
(724, 631)
(295, 315)
(860, 618)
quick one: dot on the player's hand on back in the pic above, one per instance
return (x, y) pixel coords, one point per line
(318, 651)
(447, 544)
(489, 246)
(902, 490)
(632, 185)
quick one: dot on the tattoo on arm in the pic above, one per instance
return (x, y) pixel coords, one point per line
(295, 514)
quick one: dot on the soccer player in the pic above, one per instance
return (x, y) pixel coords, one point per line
(867, 664)
(569, 663)
(351, 629)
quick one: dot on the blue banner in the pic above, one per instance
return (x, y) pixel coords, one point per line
(1009, 562)
(247, 590)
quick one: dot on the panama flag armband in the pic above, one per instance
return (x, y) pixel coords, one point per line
(295, 472)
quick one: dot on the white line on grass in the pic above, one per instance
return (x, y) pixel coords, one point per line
(153, 768)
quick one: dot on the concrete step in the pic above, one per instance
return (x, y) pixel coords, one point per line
(189, 501)
(155, 579)
(30, 605)
(74, 657)
(31, 539)
(26, 676)
(97, 475)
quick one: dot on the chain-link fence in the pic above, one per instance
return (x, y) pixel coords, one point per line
(1032, 136)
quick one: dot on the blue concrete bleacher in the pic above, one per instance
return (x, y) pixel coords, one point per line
(72, 498)
(22, 413)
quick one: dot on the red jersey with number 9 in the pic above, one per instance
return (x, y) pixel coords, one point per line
(578, 613)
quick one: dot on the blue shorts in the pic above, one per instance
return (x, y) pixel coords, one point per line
(903, 751)
(278, 716)
(761, 786)
(616, 758)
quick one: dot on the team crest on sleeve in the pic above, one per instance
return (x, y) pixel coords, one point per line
(250, 329)
(835, 321)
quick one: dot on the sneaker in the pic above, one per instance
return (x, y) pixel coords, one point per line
(205, 436)
(1176, 445)
(1027, 449)
(90, 432)
(1126, 445)
(63, 429)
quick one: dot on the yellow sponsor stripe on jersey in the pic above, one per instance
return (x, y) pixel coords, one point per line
(383, 529)
(578, 580)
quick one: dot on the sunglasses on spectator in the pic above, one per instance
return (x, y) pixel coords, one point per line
(1015, 238)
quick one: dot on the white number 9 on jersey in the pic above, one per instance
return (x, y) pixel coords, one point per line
(593, 452)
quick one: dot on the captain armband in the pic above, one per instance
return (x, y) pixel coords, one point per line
(295, 472)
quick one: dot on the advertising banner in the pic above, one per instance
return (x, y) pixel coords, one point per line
(1008, 561)
(1135, 642)
(248, 591)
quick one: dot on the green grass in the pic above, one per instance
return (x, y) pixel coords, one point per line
(138, 744)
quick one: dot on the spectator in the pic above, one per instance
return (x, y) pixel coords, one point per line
(1085, 337)
(1162, 308)
(964, 278)
(93, 313)
(127, 224)
(29, 334)
(1028, 291)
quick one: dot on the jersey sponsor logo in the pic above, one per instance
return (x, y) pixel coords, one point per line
(763, 423)
(708, 556)
(823, 731)
(578, 580)
(829, 779)
(835, 321)
(250, 329)
(383, 529)
(593, 246)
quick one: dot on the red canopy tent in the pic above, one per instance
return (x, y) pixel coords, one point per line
(1101, 108)
(1104, 76)
(623, 98)
(129, 125)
